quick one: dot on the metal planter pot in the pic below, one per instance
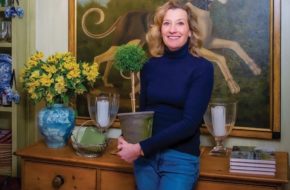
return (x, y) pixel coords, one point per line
(136, 126)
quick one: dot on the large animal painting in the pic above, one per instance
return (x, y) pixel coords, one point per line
(236, 37)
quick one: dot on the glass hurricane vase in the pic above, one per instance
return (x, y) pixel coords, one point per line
(91, 140)
(219, 119)
(103, 109)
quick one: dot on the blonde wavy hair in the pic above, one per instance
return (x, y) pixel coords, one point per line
(154, 38)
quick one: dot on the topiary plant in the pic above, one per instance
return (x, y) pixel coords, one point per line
(130, 58)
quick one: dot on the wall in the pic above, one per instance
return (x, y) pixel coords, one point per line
(51, 35)
(51, 26)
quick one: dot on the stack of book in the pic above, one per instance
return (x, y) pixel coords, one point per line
(252, 160)
(5, 151)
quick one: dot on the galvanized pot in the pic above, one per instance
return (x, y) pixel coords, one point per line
(136, 126)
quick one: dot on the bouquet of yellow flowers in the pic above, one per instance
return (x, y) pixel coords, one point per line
(57, 78)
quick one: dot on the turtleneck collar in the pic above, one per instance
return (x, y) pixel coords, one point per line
(183, 51)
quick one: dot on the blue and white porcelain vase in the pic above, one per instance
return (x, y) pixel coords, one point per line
(56, 123)
(7, 94)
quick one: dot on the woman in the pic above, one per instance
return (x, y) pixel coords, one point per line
(176, 84)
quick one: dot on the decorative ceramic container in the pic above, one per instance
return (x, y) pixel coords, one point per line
(56, 123)
(5, 70)
(136, 126)
(7, 95)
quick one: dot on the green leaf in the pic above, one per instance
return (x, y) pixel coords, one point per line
(130, 58)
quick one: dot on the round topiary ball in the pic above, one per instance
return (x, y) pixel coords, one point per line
(130, 58)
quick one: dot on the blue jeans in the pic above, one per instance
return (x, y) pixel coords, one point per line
(167, 170)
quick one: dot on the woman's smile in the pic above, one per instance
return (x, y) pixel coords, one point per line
(175, 29)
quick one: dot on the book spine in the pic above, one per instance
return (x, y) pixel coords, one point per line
(252, 165)
(253, 161)
(253, 169)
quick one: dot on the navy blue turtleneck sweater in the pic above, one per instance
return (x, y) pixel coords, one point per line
(177, 86)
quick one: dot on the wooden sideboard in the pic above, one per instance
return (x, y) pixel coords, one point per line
(46, 169)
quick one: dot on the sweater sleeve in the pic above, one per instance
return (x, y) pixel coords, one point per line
(194, 108)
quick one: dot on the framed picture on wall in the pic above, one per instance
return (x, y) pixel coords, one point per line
(240, 37)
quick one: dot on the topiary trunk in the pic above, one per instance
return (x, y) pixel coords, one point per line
(133, 100)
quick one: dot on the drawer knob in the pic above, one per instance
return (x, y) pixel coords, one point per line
(57, 181)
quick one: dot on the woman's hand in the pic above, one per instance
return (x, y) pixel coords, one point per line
(127, 151)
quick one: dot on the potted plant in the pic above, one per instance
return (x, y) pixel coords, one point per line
(135, 126)
(55, 80)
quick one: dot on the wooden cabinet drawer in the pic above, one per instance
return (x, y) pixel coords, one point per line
(112, 180)
(40, 165)
(40, 176)
(202, 185)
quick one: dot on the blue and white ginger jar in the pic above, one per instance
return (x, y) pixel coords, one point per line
(6, 79)
(56, 123)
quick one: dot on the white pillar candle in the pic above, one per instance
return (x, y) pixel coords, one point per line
(103, 117)
(218, 114)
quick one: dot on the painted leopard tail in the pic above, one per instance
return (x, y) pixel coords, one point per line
(101, 20)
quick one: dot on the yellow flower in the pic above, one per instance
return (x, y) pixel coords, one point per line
(49, 68)
(46, 80)
(86, 67)
(33, 84)
(31, 63)
(31, 89)
(33, 95)
(57, 78)
(49, 97)
(73, 74)
(39, 55)
(91, 76)
(52, 59)
(70, 65)
(91, 72)
(59, 55)
(60, 85)
(74, 70)
(35, 74)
